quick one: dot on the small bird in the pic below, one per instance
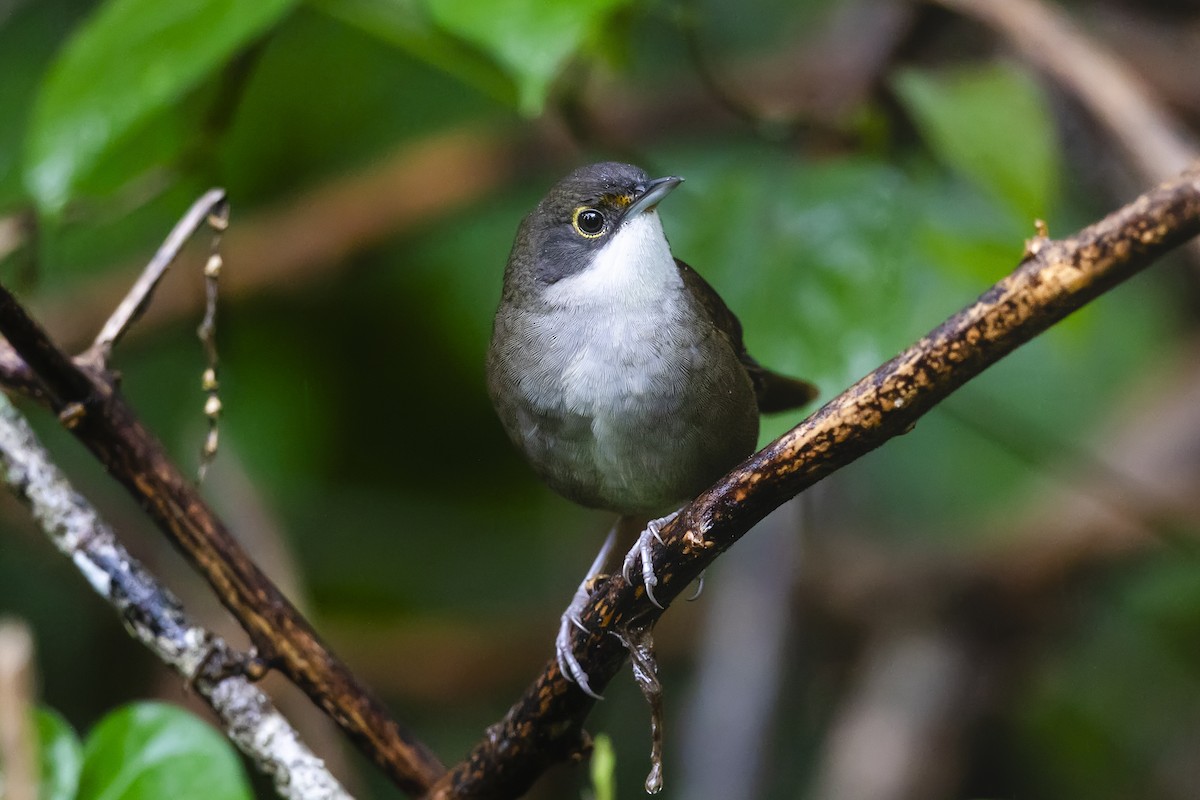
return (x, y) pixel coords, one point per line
(616, 369)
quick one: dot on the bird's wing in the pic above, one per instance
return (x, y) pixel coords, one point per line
(774, 392)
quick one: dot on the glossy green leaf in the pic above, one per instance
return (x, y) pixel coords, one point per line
(61, 756)
(993, 125)
(129, 61)
(30, 35)
(815, 259)
(149, 751)
(531, 39)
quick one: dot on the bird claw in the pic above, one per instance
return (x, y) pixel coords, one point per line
(564, 652)
(641, 552)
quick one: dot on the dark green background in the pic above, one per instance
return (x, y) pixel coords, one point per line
(358, 438)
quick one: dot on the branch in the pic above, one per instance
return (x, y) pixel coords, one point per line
(155, 617)
(1153, 140)
(85, 397)
(211, 206)
(1054, 279)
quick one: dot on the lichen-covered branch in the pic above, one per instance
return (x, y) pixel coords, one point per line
(155, 617)
(84, 395)
(1054, 279)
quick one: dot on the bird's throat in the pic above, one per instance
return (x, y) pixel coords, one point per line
(633, 269)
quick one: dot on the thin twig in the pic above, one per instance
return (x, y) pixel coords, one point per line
(155, 617)
(207, 331)
(1154, 141)
(210, 206)
(1054, 279)
(90, 406)
(688, 21)
(1151, 137)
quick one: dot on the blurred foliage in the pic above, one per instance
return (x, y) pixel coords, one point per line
(991, 124)
(602, 768)
(354, 393)
(142, 751)
(132, 59)
(61, 756)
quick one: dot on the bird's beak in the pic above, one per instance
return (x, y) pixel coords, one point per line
(655, 191)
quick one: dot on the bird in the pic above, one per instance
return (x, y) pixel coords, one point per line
(617, 370)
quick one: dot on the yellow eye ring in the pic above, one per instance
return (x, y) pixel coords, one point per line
(588, 222)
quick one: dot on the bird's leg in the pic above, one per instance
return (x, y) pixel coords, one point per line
(641, 552)
(568, 665)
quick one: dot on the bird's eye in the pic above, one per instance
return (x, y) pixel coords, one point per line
(588, 222)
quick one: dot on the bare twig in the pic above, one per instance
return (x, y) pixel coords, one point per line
(1155, 143)
(211, 207)
(18, 739)
(90, 406)
(85, 396)
(1054, 279)
(207, 331)
(306, 236)
(155, 617)
(815, 82)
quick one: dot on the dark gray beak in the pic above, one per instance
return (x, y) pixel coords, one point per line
(655, 191)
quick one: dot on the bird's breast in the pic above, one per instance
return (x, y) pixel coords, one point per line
(626, 410)
(618, 387)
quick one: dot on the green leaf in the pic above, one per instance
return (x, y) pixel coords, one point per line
(815, 259)
(148, 751)
(131, 59)
(61, 756)
(603, 769)
(993, 125)
(407, 24)
(530, 39)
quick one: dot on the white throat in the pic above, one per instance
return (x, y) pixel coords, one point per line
(633, 268)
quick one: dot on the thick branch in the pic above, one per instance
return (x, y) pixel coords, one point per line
(90, 406)
(1054, 279)
(156, 619)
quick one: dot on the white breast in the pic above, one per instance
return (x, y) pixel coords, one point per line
(619, 398)
(633, 269)
(624, 340)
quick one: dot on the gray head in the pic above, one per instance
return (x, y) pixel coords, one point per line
(579, 216)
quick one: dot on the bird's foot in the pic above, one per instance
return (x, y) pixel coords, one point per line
(641, 553)
(564, 652)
